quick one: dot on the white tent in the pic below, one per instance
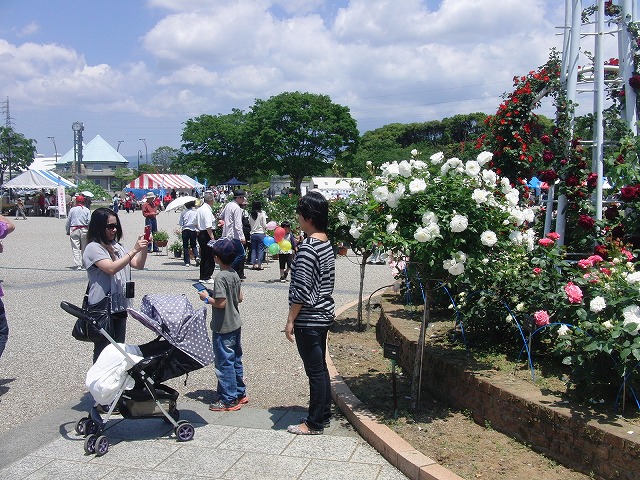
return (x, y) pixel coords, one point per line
(37, 179)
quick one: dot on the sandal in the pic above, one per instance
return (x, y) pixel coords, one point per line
(296, 430)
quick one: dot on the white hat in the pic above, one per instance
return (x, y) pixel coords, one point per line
(151, 195)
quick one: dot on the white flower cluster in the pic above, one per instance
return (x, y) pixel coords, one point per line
(455, 265)
(430, 229)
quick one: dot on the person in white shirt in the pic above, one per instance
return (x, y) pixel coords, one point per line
(189, 224)
(232, 228)
(205, 221)
(77, 227)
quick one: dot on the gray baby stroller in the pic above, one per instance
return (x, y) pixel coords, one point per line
(129, 378)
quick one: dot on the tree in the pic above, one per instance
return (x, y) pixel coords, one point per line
(163, 157)
(16, 151)
(300, 134)
(122, 176)
(216, 147)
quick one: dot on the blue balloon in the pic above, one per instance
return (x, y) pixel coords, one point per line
(268, 240)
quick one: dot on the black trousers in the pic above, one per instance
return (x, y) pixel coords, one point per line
(312, 347)
(207, 263)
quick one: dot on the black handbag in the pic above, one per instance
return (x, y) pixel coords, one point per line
(91, 318)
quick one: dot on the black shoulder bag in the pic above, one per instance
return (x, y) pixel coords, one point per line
(91, 318)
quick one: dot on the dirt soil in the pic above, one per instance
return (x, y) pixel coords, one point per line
(447, 436)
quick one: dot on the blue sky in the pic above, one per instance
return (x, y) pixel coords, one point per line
(139, 69)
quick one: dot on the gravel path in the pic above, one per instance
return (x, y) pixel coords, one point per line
(43, 366)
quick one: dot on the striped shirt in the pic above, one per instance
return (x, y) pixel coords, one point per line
(312, 278)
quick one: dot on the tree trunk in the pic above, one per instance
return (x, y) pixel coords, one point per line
(363, 265)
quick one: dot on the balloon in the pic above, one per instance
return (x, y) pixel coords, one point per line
(268, 240)
(274, 248)
(285, 245)
(278, 234)
(271, 225)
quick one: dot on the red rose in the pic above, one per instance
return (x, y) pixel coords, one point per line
(573, 181)
(586, 222)
(545, 139)
(548, 156)
(553, 235)
(592, 180)
(612, 212)
(548, 176)
(620, 159)
(628, 193)
(634, 81)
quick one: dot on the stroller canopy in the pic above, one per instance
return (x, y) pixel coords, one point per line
(173, 317)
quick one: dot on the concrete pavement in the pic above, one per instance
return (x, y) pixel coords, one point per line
(42, 391)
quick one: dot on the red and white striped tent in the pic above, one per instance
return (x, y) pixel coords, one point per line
(165, 181)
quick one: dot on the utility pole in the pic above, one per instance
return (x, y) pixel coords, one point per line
(8, 126)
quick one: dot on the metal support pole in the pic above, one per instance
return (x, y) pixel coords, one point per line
(597, 150)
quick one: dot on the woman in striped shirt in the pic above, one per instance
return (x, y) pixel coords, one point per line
(311, 309)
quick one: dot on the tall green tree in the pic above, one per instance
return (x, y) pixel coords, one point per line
(16, 152)
(301, 134)
(122, 176)
(163, 157)
(215, 147)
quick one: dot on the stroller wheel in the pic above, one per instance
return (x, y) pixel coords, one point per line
(81, 426)
(184, 431)
(90, 444)
(101, 446)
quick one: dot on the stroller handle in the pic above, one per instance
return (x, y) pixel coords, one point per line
(74, 310)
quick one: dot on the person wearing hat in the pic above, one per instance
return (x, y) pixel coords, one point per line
(232, 229)
(150, 212)
(226, 324)
(77, 227)
(205, 222)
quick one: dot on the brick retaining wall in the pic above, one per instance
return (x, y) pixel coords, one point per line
(588, 443)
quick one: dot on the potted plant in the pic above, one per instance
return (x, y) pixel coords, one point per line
(176, 248)
(161, 238)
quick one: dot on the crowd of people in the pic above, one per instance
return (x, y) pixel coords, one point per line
(95, 241)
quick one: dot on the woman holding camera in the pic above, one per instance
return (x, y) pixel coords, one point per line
(108, 266)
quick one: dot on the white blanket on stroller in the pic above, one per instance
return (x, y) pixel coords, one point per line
(109, 373)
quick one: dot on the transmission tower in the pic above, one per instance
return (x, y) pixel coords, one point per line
(6, 114)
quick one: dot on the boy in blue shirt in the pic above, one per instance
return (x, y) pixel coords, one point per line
(226, 324)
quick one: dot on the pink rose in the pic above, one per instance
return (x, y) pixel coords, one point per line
(542, 318)
(628, 254)
(545, 242)
(574, 294)
(553, 235)
(595, 259)
(537, 270)
(585, 263)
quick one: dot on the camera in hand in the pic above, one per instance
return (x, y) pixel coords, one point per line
(130, 289)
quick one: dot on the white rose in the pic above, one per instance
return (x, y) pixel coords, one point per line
(421, 235)
(342, 218)
(391, 227)
(388, 218)
(607, 324)
(432, 230)
(488, 238)
(512, 196)
(437, 158)
(404, 168)
(489, 177)
(472, 168)
(459, 223)
(381, 194)
(391, 169)
(369, 163)
(597, 304)
(480, 196)
(631, 315)
(354, 231)
(429, 217)
(484, 157)
(417, 185)
(414, 152)
(563, 330)
(418, 164)
(633, 278)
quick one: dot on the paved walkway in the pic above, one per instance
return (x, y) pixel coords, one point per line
(42, 392)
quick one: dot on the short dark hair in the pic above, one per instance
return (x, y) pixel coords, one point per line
(98, 225)
(315, 208)
(190, 204)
